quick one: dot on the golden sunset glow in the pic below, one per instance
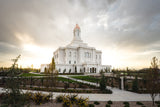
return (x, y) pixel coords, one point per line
(127, 36)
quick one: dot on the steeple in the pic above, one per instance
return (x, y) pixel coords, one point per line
(77, 42)
(77, 33)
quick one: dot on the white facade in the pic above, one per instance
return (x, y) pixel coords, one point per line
(78, 57)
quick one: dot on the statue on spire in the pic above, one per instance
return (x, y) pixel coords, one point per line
(77, 32)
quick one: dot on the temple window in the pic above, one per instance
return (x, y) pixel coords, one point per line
(70, 54)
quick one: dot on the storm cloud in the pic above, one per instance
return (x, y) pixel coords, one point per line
(128, 27)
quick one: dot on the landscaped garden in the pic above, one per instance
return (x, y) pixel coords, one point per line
(14, 81)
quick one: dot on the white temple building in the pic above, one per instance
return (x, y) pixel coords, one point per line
(78, 57)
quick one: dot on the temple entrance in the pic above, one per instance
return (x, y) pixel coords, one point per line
(93, 70)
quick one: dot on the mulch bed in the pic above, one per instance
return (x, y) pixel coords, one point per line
(102, 104)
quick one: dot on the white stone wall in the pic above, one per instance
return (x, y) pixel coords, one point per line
(78, 54)
(43, 66)
(69, 57)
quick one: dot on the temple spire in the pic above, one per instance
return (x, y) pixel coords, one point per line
(77, 32)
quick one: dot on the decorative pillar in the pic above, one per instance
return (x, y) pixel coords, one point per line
(122, 83)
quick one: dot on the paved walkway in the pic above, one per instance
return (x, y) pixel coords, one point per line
(117, 95)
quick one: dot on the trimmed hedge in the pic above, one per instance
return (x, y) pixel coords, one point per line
(110, 102)
(107, 105)
(139, 103)
(96, 103)
(90, 105)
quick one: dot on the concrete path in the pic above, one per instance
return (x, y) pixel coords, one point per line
(117, 95)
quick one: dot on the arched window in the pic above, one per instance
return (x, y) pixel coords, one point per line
(92, 69)
(70, 54)
(59, 70)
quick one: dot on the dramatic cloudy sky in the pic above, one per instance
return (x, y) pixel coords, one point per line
(127, 31)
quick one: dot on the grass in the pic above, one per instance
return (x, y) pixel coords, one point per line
(66, 80)
(72, 81)
(86, 78)
(30, 75)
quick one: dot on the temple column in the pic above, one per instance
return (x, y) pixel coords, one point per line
(122, 83)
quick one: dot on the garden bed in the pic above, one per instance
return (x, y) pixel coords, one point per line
(102, 104)
(69, 90)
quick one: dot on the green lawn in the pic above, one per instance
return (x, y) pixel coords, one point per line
(30, 75)
(86, 78)
(72, 81)
(66, 80)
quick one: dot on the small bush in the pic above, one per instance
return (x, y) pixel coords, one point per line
(157, 102)
(28, 96)
(66, 102)
(59, 99)
(108, 91)
(73, 99)
(139, 103)
(96, 103)
(40, 98)
(90, 105)
(110, 102)
(107, 105)
(6, 100)
(126, 103)
(82, 102)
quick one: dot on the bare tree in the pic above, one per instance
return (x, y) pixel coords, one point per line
(13, 96)
(153, 79)
(53, 73)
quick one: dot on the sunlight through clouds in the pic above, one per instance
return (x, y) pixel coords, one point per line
(36, 54)
(126, 31)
